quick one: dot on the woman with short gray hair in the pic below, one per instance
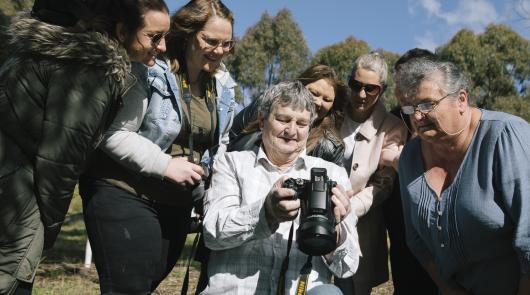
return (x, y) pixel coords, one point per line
(464, 183)
(328, 94)
(292, 94)
(249, 214)
(412, 74)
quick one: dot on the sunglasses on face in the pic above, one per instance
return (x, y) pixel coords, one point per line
(424, 107)
(214, 43)
(370, 89)
(156, 38)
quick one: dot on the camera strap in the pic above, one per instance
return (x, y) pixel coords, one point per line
(285, 263)
(186, 280)
(185, 93)
(301, 289)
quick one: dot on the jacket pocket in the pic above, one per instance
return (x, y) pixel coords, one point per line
(161, 103)
(161, 123)
(158, 84)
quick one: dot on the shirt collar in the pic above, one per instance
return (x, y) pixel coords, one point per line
(262, 158)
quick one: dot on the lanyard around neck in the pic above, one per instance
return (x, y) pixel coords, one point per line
(301, 288)
(185, 92)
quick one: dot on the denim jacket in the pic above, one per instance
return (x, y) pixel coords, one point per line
(163, 119)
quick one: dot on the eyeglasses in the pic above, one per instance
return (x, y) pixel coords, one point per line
(424, 107)
(156, 38)
(370, 89)
(214, 43)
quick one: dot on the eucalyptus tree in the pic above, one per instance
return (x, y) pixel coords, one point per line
(340, 56)
(272, 50)
(497, 61)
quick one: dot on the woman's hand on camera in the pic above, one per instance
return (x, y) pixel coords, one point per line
(341, 199)
(279, 204)
(183, 172)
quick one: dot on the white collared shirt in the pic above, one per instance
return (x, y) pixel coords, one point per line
(247, 255)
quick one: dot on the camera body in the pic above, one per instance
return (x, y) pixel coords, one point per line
(316, 233)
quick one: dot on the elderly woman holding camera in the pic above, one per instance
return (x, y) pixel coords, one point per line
(465, 185)
(248, 213)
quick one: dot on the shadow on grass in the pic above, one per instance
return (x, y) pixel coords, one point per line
(70, 245)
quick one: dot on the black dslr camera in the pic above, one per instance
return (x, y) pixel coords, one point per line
(316, 234)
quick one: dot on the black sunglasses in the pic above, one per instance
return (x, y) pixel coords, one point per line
(370, 89)
(156, 38)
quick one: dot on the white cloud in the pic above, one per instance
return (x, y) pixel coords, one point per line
(473, 13)
(427, 41)
(412, 5)
(432, 6)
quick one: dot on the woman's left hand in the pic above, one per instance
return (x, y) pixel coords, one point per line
(341, 200)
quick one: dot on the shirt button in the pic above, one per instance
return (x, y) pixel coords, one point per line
(442, 245)
(439, 227)
(355, 166)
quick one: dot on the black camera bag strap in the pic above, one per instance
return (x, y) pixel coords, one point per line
(186, 280)
(301, 289)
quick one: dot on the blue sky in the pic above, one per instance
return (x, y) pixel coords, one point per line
(395, 25)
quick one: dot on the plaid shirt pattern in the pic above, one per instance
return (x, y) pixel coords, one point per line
(247, 254)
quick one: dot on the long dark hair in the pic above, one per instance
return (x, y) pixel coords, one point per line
(133, 11)
(96, 15)
(333, 120)
(189, 20)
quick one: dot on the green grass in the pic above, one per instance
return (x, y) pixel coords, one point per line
(62, 272)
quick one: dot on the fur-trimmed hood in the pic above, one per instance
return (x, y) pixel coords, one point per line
(31, 37)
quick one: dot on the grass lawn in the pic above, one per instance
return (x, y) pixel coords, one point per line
(62, 272)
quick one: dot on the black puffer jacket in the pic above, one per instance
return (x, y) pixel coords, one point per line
(58, 92)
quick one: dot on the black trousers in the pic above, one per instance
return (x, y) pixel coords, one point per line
(408, 276)
(135, 242)
(23, 288)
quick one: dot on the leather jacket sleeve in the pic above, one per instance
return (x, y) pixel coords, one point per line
(329, 148)
(243, 118)
(245, 142)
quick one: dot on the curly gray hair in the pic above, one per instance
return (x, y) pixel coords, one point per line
(292, 94)
(413, 72)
